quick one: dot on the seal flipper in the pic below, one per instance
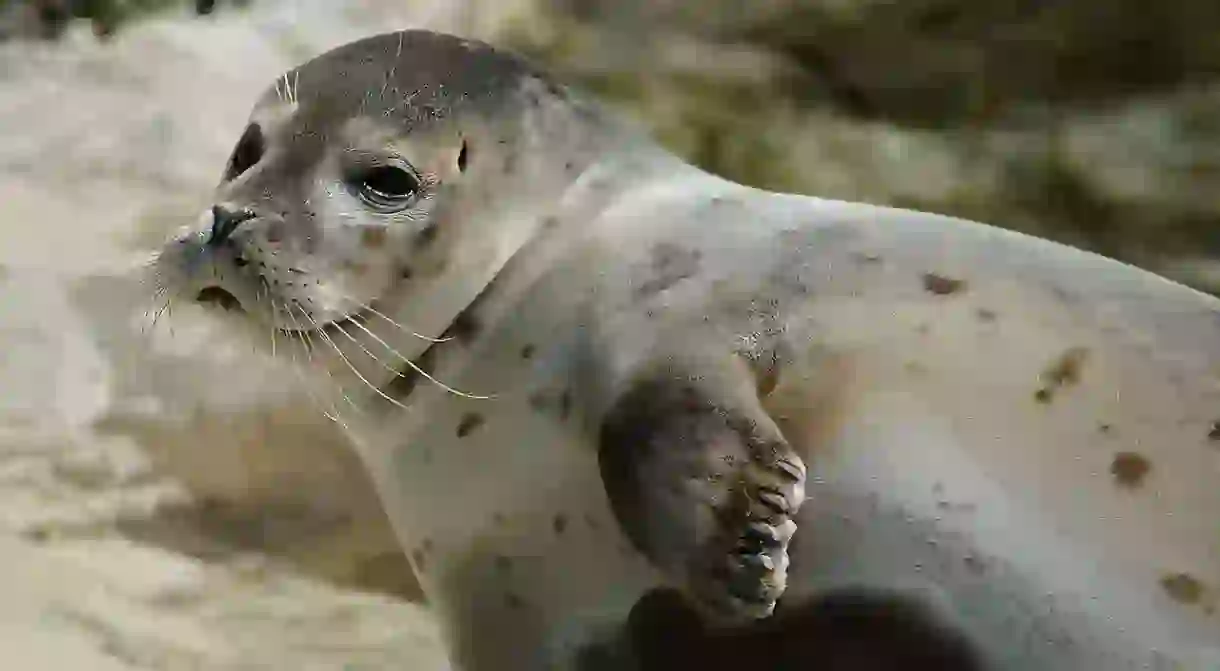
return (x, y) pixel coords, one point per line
(704, 485)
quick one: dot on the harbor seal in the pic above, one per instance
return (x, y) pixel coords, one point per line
(579, 369)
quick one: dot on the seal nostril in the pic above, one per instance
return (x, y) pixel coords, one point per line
(218, 297)
(240, 262)
(225, 221)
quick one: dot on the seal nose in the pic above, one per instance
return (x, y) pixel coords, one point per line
(225, 221)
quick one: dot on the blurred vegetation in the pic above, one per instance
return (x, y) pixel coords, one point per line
(47, 19)
(1092, 122)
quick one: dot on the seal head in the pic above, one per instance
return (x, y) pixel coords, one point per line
(391, 176)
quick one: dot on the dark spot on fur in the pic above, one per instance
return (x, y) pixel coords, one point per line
(985, 315)
(465, 326)
(1104, 428)
(559, 524)
(402, 386)
(527, 352)
(1130, 468)
(941, 285)
(469, 422)
(514, 601)
(1182, 587)
(975, 564)
(1063, 372)
(463, 156)
(550, 223)
(544, 400)
(426, 236)
(499, 519)
(670, 264)
(405, 272)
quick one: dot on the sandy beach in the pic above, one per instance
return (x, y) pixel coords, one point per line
(162, 504)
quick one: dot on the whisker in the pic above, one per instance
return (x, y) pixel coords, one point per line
(258, 296)
(338, 351)
(390, 75)
(415, 367)
(166, 308)
(366, 350)
(369, 308)
(148, 328)
(154, 300)
(304, 334)
(334, 417)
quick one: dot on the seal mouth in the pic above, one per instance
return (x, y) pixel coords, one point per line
(218, 297)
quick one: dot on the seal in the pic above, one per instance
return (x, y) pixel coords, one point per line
(580, 370)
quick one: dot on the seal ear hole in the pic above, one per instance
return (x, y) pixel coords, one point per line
(248, 152)
(462, 157)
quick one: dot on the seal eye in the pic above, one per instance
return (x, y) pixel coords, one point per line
(249, 151)
(387, 187)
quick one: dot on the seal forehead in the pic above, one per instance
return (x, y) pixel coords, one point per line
(410, 76)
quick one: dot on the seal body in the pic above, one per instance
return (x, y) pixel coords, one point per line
(632, 374)
(1015, 430)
